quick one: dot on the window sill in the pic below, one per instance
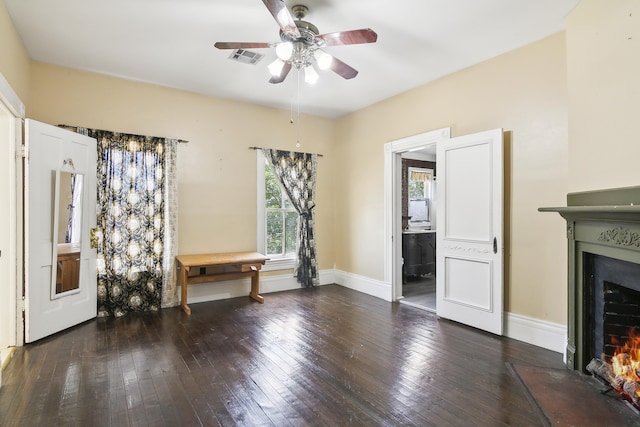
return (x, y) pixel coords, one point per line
(279, 264)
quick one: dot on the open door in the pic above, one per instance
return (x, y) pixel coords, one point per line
(60, 209)
(469, 240)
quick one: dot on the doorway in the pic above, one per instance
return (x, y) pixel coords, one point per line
(419, 285)
(419, 226)
(11, 110)
(469, 285)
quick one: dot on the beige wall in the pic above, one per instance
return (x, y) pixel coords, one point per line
(14, 61)
(603, 64)
(523, 92)
(216, 170)
(555, 143)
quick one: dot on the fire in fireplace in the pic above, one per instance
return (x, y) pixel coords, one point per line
(622, 372)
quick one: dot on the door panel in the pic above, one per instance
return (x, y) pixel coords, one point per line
(459, 272)
(54, 152)
(468, 207)
(469, 238)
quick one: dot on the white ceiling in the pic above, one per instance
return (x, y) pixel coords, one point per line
(170, 43)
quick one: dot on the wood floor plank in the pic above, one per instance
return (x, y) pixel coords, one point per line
(310, 357)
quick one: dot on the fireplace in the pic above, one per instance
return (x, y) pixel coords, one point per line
(603, 234)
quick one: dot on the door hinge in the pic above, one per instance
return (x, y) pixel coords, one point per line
(24, 153)
(22, 303)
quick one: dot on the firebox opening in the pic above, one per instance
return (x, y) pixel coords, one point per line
(613, 305)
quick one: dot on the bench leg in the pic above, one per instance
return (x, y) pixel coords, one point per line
(184, 272)
(255, 286)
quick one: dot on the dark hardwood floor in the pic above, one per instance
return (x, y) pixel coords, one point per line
(327, 356)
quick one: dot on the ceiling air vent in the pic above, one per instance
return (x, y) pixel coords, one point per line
(245, 56)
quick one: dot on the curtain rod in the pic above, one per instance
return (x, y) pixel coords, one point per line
(260, 148)
(181, 141)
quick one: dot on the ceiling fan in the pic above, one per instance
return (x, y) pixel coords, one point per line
(302, 44)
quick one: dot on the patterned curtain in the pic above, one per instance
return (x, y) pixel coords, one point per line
(296, 173)
(137, 218)
(169, 279)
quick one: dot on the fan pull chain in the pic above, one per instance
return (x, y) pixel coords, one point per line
(297, 120)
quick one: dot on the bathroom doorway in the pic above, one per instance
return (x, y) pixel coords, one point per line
(413, 280)
(419, 224)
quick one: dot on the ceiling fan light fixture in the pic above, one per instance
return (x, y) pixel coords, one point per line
(301, 44)
(323, 59)
(275, 68)
(284, 50)
(310, 74)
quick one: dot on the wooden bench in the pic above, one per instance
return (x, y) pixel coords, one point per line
(231, 265)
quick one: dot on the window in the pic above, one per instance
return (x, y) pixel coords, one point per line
(419, 189)
(277, 220)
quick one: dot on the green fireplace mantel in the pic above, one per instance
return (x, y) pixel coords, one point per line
(606, 212)
(616, 203)
(602, 222)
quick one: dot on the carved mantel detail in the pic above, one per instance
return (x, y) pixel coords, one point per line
(620, 236)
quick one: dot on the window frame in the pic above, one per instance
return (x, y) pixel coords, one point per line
(427, 195)
(277, 262)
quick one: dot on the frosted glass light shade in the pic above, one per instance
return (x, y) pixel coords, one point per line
(310, 75)
(275, 68)
(284, 50)
(323, 59)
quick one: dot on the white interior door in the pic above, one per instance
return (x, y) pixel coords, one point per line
(53, 155)
(469, 239)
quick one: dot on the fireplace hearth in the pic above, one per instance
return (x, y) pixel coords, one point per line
(603, 235)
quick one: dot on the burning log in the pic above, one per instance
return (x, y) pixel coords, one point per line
(628, 389)
(604, 371)
(632, 389)
(623, 374)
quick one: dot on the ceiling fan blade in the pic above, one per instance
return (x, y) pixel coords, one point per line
(283, 74)
(365, 35)
(342, 69)
(241, 45)
(280, 12)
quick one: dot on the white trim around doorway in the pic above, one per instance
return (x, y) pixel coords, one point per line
(14, 110)
(392, 202)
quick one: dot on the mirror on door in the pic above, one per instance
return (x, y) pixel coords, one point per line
(68, 232)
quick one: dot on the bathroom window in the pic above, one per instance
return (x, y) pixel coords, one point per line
(420, 190)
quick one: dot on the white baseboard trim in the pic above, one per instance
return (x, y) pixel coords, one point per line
(541, 333)
(241, 287)
(5, 355)
(364, 284)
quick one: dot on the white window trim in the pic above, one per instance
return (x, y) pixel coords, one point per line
(279, 263)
